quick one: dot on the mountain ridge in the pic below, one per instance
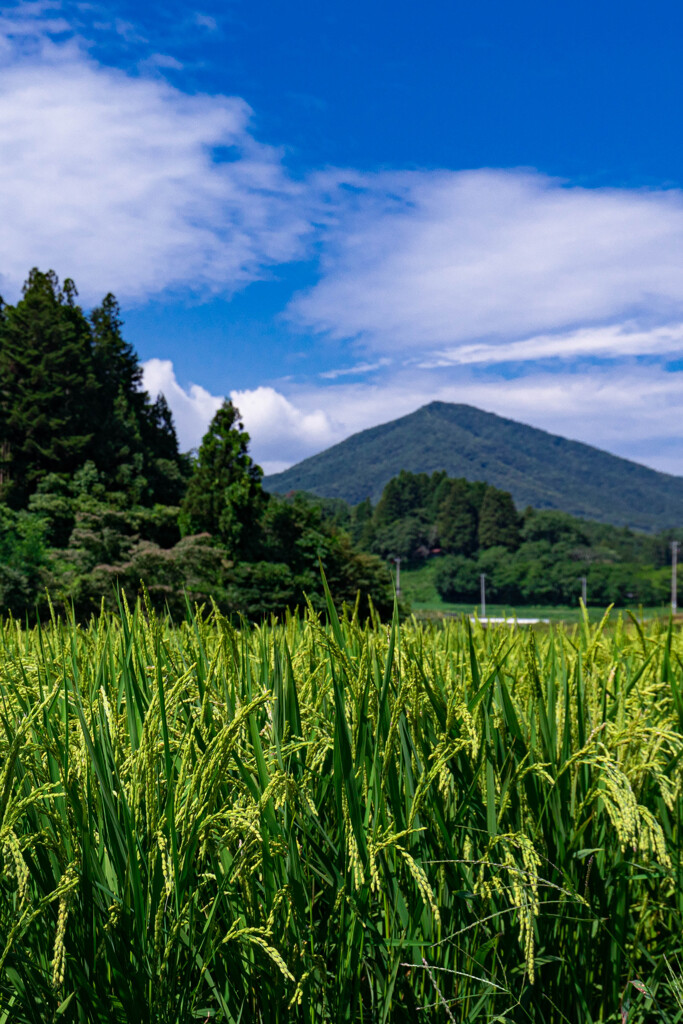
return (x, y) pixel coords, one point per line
(540, 469)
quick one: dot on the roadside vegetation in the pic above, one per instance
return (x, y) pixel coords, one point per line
(418, 589)
(327, 820)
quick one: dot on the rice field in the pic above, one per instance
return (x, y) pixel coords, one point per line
(333, 820)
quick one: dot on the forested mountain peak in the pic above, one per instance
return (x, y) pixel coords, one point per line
(539, 469)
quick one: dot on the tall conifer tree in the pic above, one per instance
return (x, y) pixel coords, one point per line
(71, 392)
(48, 388)
(457, 519)
(224, 496)
(498, 520)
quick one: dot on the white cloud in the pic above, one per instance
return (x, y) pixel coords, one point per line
(31, 24)
(193, 409)
(281, 433)
(419, 261)
(114, 180)
(614, 341)
(352, 371)
(161, 61)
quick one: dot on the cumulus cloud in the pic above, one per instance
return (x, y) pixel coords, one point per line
(126, 183)
(419, 261)
(193, 408)
(280, 432)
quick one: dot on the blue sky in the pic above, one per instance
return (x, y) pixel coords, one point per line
(336, 213)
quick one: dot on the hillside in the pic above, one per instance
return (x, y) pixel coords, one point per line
(537, 468)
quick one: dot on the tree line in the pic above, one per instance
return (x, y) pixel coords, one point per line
(533, 556)
(95, 495)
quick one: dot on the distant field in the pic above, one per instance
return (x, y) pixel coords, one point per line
(417, 585)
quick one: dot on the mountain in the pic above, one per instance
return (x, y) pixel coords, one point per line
(538, 468)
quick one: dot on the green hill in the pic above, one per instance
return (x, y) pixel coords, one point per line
(538, 468)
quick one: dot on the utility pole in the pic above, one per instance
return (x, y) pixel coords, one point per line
(482, 582)
(584, 591)
(675, 545)
(398, 576)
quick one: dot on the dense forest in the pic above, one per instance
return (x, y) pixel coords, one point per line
(529, 557)
(95, 495)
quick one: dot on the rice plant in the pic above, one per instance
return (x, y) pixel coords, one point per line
(325, 819)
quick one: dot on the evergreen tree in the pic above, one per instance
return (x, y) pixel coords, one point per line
(136, 445)
(160, 419)
(498, 520)
(402, 496)
(169, 471)
(71, 391)
(457, 520)
(48, 390)
(362, 531)
(435, 492)
(224, 496)
(116, 362)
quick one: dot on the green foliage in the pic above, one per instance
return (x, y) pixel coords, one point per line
(23, 560)
(338, 823)
(48, 388)
(498, 521)
(457, 522)
(537, 468)
(417, 513)
(94, 466)
(361, 524)
(539, 573)
(457, 578)
(295, 540)
(405, 495)
(224, 496)
(408, 538)
(71, 395)
(536, 557)
(192, 570)
(78, 543)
